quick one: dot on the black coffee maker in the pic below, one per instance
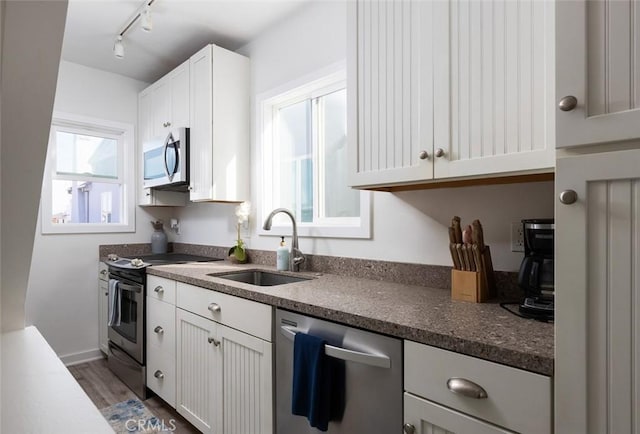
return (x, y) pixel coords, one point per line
(536, 271)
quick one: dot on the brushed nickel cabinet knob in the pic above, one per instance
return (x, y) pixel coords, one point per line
(423, 155)
(213, 341)
(408, 428)
(158, 374)
(159, 330)
(568, 103)
(439, 153)
(568, 197)
(214, 307)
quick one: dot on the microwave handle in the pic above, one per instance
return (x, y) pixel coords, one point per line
(168, 141)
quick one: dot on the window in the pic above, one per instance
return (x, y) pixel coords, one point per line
(88, 182)
(304, 159)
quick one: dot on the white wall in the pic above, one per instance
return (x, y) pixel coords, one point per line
(32, 39)
(407, 227)
(62, 298)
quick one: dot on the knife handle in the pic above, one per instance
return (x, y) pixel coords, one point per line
(455, 223)
(454, 256)
(460, 256)
(472, 261)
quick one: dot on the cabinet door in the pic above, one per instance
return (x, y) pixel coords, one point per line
(200, 159)
(390, 91)
(161, 107)
(103, 309)
(180, 108)
(597, 367)
(145, 132)
(246, 383)
(598, 62)
(161, 349)
(493, 87)
(425, 417)
(198, 388)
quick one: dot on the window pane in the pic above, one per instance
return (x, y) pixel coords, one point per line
(80, 154)
(294, 164)
(339, 200)
(85, 202)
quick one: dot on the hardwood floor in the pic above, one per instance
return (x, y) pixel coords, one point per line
(105, 389)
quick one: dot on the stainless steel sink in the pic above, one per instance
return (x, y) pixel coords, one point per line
(259, 277)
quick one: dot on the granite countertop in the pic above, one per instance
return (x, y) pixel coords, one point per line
(417, 313)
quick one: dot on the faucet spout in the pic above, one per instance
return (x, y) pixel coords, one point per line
(296, 257)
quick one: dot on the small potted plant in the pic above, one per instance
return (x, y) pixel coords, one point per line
(238, 253)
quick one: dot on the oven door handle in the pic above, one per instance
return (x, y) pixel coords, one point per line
(378, 360)
(125, 360)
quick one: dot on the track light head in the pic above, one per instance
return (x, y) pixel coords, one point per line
(118, 48)
(147, 24)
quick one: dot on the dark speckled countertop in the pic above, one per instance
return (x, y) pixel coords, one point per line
(417, 313)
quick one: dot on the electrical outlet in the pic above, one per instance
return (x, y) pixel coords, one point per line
(245, 230)
(517, 237)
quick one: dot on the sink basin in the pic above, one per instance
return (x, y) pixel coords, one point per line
(259, 277)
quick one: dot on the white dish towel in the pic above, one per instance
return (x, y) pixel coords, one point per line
(115, 299)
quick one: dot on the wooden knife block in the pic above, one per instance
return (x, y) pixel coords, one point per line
(474, 286)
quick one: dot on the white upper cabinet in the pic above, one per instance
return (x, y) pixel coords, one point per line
(170, 101)
(220, 126)
(390, 114)
(493, 87)
(449, 90)
(598, 64)
(164, 102)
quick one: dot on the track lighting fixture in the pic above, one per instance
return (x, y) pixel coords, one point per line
(147, 24)
(144, 14)
(118, 48)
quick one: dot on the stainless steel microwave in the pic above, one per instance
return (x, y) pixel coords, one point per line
(166, 160)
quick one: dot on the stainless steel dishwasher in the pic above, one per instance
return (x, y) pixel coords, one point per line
(373, 376)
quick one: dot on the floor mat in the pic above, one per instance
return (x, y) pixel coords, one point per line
(131, 416)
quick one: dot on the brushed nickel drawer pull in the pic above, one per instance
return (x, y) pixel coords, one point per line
(159, 289)
(158, 330)
(213, 341)
(158, 374)
(214, 307)
(467, 388)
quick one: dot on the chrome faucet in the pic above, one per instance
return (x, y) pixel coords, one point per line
(295, 255)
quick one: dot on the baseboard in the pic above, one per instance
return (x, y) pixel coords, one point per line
(82, 357)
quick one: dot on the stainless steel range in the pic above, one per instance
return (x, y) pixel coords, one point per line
(127, 313)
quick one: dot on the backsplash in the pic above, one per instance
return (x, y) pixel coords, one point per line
(434, 276)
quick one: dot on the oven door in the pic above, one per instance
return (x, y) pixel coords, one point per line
(129, 335)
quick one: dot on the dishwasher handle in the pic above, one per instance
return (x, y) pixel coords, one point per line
(378, 360)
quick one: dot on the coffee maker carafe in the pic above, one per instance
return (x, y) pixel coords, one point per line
(536, 276)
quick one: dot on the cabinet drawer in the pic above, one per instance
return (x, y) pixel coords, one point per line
(161, 325)
(428, 417)
(161, 288)
(161, 374)
(517, 400)
(244, 315)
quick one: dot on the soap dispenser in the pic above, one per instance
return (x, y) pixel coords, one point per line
(282, 257)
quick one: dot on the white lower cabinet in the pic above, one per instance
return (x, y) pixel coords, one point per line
(450, 392)
(161, 349)
(425, 417)
(103, 306)
(224, 375)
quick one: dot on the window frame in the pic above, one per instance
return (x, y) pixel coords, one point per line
(323, 82)
(123, 133)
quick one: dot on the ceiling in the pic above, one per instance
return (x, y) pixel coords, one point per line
(180, 28)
